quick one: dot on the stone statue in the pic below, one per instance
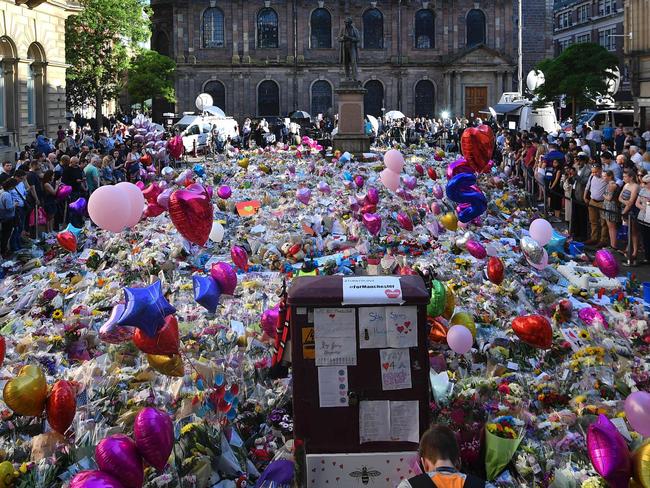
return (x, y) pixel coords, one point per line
(349, 52)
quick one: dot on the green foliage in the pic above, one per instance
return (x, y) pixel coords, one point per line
(580, 73)
(151, 75)
(98, 45)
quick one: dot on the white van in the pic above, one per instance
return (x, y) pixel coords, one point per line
(516, 112)
(601, 117)
(195, 129)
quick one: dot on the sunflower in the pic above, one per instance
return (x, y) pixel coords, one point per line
(584, 334)
(57, 314)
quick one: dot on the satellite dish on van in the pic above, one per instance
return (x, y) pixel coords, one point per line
(204, 100)
(534, 80)
(613, 84)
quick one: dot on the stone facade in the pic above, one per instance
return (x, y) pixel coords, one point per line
(32, 79)
(537, 34)
(598, 21)
(450, 76)
(637, 52)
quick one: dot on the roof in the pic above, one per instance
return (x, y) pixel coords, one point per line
(506, 108)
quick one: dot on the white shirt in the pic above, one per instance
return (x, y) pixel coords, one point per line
(595, 135)
(646, 135)
(637, 159)
(596, 187)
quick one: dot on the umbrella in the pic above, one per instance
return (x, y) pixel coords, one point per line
(394, 114)
(374, 122)
(300, 114)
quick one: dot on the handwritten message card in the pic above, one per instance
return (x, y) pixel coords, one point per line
(402, 326)
(335, 334)
(395, 369)
(383, 420)
(372, 328)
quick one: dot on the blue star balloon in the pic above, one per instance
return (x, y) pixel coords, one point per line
(199, 170)
(76, 231)
(146, 309)
(206, 292)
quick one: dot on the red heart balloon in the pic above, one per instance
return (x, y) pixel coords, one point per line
(146, 159)
(151, 193)
(191, 213)
(67, 240)
(61, 406)
(477, 144)
(153, 210)
(165, 342)
(534, 330)
(495, 270)
(432, 173)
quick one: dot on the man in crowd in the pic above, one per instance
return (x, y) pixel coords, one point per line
(91, 171)
(636, 156)
(594, 197)
(579, 214)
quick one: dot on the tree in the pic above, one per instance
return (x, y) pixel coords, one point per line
(98, 45)
(151, 75)
(581, 73)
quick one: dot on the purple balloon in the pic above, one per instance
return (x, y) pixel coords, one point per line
(111, 332)
(373, 196)
(372, 222)
(303, 195)
(410, 182)
(79, 205)
(163, 198)
(358, 181)
(606, 263)
(270, 321)
(225, 275)
(437, 191)
(608, 452)
(324, 187)
(209, 190)
(118, 456)
(154, 436)
(63, 192)
(476, 249)
(224, 192)
(591, 316)
(94, 479)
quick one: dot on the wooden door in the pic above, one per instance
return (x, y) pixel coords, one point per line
(475, 100)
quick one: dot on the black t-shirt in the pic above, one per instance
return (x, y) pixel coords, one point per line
(70, 176)
(35, 180)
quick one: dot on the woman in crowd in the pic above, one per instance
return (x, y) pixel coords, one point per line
(107, 173)
(7, 215)
(50, 205)
(643, 204)
(610, 211)
(555, 187)
(627, 199)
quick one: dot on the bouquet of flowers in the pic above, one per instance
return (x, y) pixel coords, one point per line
(502, 438)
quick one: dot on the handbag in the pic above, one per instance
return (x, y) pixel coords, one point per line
(42, 218)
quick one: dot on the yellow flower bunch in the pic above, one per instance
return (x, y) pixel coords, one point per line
(186, 429)
(57, 314)
(538, 289)
(186, 286)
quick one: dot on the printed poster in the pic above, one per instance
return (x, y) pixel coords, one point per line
(371, 290)
(395, 369)
(333, 386)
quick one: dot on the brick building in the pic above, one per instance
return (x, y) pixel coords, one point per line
(32, 70)
(270, 57)
(538, 29)
(637, 51)
(599, 21)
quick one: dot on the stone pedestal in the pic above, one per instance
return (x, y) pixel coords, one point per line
(351, 135)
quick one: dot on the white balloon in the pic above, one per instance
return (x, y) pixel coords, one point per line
(217, 232)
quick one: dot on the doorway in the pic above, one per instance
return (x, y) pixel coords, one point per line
(475, 100)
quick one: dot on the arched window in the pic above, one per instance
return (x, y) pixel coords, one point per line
(268, 98)
(321, 29)
(373, 29)
(321, 97)
(218, 93)
(161, 43)
(36, 76)
(213, 33)
(424, 29)
(425, 99)
(373, 100)
(267, 28)
(31, 95)
(475, 25)
(8, 83)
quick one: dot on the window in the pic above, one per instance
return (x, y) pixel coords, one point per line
(321, 97)
(195, 130)
(213, 28)
(583, 13)
(424, 29)
(218, 93)
(161, 43)
(424, 99)
(373, 100)
(564, 20)
(268, 98)
(31, 95)
(373, 29)
(583, 38)
(267, 29)
(606, 38)
(563, 44)
(606, 7)
(321, 29)
(475, 25)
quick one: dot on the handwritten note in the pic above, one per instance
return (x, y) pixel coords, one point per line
(335, 334)
(382, 421)
(395, 369)
(369, 290)
(402, 326)
(372, 328)
(404, 421)
(333, 386)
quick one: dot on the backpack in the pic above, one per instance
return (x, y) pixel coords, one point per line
(424, 481)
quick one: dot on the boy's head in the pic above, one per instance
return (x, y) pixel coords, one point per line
(438, 443)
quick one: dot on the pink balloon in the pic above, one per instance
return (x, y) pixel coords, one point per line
(390, 179)
(136, 202)
(209, 190)
(459, 339)
(637, 411)
(224, 274)
(394, 161)
(476, 249)
(303, 195)
(358, 180)
(163, 198)
(239, 256)
(324, 187)
(404, 221)
(372, 196)
(437, 191)
(224, 192)
(63, 192)
(109, 208)
(435, 208)
(151, 192)
(606, 263)
(410, 182)
(269, 321)
(140, 185)
(372, 222)
(591, 316)
(94, 479)
(111, 332)
(118, 456)
(541, 231)
(609, 453)
(154, 436)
